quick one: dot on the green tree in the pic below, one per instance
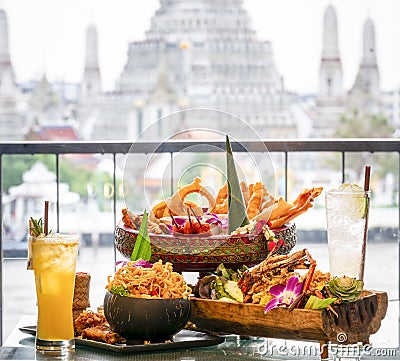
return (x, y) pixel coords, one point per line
(358, 125)
(14, 165)
(76, 176)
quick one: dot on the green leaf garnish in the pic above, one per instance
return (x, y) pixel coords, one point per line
(315, 303)
(36, 227)
(142, 249)
(237, 215)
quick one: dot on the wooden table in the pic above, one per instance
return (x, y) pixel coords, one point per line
(19, 346)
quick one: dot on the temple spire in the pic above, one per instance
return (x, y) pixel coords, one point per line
(7, 79)
(91, 85)
(368, 79)
(331, 75)
(369, 45)
(330, 38)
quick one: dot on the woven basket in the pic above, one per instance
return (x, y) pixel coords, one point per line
(205, 253)
(77, 312)
(81, 293)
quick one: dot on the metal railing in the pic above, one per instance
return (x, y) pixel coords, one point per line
(283, 146)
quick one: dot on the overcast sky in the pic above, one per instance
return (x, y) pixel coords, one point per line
(49, 36)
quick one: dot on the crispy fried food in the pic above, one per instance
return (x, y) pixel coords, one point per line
(134, 221)
(275, 270)
(319, 279)
(128, 218)
(245, 192)
(303, 202)
(102, 333)
(280, 208)
(159, 209)
(308, 194)
(176, 204)
(188, 204)
(221, 201)
(260, 204)
(257, 197)
(88, 319)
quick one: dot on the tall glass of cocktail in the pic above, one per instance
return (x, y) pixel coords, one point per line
(347, 210)
(54, 261)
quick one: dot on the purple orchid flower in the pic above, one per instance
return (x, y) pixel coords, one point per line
(285, 295)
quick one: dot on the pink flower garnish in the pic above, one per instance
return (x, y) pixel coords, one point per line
(285, 295)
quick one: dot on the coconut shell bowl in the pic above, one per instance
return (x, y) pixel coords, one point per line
(146, 319)
(204, 253)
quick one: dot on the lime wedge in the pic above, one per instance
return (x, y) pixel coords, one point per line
(359, 202)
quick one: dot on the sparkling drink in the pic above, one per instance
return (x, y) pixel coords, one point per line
(54, 262)
(347, 211)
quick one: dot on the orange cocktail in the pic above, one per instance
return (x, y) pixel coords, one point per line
(54, 261)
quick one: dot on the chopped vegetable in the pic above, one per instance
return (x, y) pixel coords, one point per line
(222, 284)
(316, 303)
(232, 288)
(119, 290)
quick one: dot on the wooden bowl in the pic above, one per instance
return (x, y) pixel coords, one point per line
(205, 253)
(356, 322)
(147, 319)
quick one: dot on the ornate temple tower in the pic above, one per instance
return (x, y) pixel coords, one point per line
(366, 88)
(7, 81)
(10, 119)
(91, 85)
(330, 98)
(92, 98)
(331, 74)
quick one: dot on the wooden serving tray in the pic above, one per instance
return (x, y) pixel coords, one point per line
(356, 321)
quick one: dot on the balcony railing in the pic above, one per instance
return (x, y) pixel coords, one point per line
(287, 148)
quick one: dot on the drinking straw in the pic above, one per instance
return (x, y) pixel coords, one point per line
(367, 177)
(29, 265)
(364, 247)
(46, 218)
(30, 227)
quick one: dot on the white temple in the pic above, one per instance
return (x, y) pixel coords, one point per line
(197, 54)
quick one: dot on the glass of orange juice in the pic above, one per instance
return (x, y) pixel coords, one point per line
(54, 261)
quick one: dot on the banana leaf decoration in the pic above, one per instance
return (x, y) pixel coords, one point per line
(142, 249)
(237, 215)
